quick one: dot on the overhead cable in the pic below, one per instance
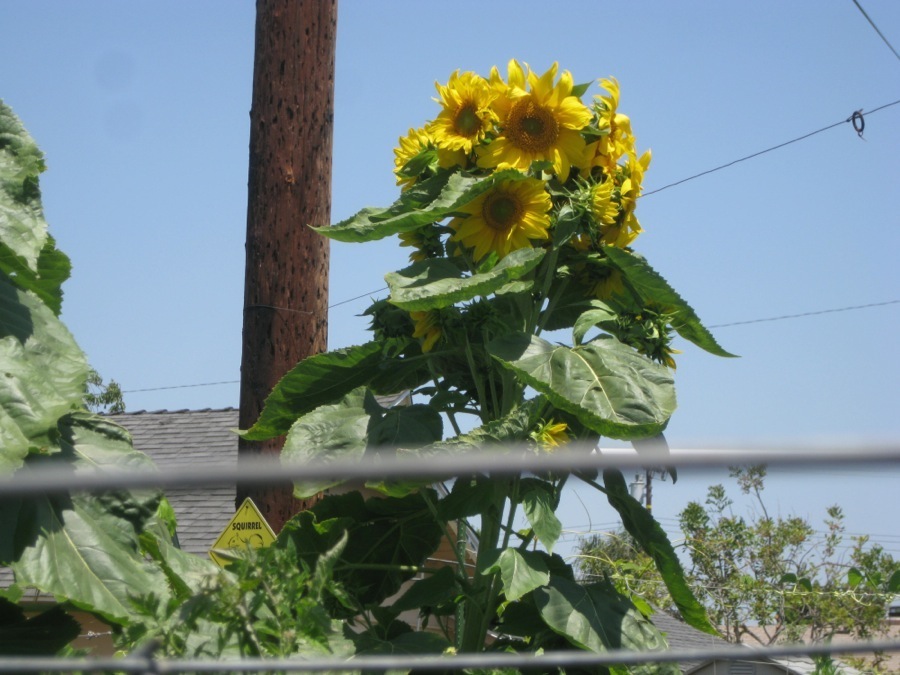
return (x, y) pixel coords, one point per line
(855, 118)
(880, 34)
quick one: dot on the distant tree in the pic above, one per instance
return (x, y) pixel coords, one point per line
(103, 398)
(764, 578)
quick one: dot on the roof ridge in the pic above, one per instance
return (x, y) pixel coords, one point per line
(165, 411)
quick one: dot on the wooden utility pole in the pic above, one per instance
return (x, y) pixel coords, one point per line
(286, 279)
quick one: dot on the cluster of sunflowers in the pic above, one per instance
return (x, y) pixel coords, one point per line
(539, 126)
(570, 155)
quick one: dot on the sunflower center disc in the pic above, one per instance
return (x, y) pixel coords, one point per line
(501, 211)
(532, 127)
(466, 121)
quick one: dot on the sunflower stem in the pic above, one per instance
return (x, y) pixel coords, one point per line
(551, 305)
(548, 268)
(479, 385)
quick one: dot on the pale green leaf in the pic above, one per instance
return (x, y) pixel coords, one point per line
(537, 502)
(84, 548)
(596, 618)
(433, 284)
(608, 386)
(323, 378)
(42, 375)
(328, 433)
(428, 202)
(598, 313)
(649, 534)
(520, 572)
(23, 229)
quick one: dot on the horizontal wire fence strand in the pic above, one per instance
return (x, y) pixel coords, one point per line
(381, 664)
(493, 460)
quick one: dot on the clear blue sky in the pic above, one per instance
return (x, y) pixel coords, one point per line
(142, 111)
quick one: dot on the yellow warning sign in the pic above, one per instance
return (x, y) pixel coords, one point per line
(246, 529)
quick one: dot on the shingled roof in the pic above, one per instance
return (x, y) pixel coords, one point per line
(181, 438)
(679, 635)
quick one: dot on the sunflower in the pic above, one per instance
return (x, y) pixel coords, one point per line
(466, 114)
(415, 141)
(427, 328)
(426, 241)
(618, 140)
(505, 218)
(603, 209)
(627, 228)
(602, 280)
(551, 435)
(541, 124)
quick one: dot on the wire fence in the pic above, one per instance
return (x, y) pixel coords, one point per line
(142, 663)
(495, 461)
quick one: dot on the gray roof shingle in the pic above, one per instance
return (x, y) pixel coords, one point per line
(195, 438)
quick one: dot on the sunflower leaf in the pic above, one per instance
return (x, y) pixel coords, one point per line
(322, 378)
(22, 226)
(641, 525)
(608, 386)
(428, 202)
(328, 433)
(433, 284)
(652, 288)
(597, 618)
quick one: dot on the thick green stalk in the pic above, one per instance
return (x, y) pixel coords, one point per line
(478, 607)
(493, 593)
(479, 385)
(549, 268)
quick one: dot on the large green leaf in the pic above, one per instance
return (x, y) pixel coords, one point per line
(641, 525)
(596, 618)
(328, 433)
(656, 291)
(408, 426)
(471, 497)
(43, 375)
(608, 386)
(323, 378)
(429, 202)
(387, 539)
(497, 435)
(53, 268)
(84, 548)
(23, 229)
(407, 643)
(520, 571)
(539, 507)
(433, 284)
(598, 313)
(434, 589)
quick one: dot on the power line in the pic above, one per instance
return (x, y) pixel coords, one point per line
(721, 325)
(797, 316)
(856, 116)
(880, 34)
(181, 386)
